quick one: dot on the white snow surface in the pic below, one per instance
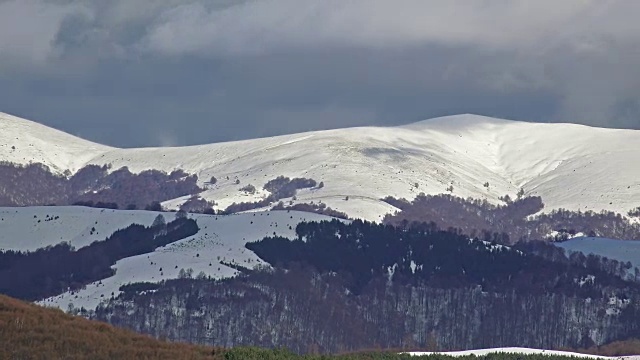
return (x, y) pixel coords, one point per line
(519, 350)
(570, 166)
(221, 238)
(23, 142)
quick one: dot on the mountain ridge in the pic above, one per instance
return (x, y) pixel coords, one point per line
(568, 165)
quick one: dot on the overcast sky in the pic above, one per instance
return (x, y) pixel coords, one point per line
(151, 72)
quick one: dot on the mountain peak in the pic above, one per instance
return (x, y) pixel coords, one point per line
(24, 141)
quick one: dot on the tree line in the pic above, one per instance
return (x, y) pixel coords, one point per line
(93, 185)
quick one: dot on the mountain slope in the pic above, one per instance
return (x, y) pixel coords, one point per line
(30, 228)
(569, 166)
(30, 331)
(220, 239)
(23, 141)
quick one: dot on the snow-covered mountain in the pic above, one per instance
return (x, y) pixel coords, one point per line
(569, 166)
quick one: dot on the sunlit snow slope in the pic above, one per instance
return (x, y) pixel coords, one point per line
(570, 166)
(23, 141)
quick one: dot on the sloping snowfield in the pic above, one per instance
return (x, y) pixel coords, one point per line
(31, 228)
(23, 141)
(519, 350)
(570, 166)
(221, 238)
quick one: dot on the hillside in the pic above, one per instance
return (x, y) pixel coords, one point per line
(345, 287)
(32, 332)
(23, 141)
(219, 246)
(30, 228)
(569, 166)
(220, 238)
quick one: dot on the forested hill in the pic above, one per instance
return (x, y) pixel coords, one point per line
(348, 286)
(425, 255)
(28, 331)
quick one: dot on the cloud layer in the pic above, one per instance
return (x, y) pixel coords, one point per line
(145, 72)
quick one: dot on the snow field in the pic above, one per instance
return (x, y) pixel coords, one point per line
(31, 228)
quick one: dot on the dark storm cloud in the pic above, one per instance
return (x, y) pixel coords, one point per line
(131, 73)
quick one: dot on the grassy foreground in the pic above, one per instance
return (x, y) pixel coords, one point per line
(28, 331)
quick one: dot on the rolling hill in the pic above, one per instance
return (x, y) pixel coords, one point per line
(33, 332)
(569, 166)
(220, 239)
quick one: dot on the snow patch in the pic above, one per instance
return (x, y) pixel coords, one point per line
(519, 350)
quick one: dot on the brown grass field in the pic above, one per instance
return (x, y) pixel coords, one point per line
(29, 331)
